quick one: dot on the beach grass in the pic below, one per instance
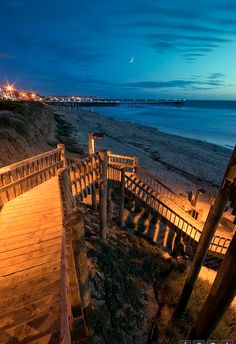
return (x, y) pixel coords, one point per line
(170, 292)
(64, 134)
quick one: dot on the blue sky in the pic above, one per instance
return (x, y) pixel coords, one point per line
(181, 48)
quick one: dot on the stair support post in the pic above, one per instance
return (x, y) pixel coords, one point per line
(213, 219)
(103, 193)
(122, 198)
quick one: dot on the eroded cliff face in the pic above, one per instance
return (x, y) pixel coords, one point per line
(26, 129)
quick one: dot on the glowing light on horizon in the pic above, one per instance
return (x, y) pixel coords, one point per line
(10, 88)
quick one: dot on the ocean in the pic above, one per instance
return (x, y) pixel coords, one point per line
(211, 121)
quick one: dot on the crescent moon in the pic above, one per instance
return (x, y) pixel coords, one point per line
(132, 60)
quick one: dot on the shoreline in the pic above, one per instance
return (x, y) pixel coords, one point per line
(182, 163)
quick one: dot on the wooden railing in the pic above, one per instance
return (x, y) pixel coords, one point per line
(146, 194)
(114, 176)
(173, 219)
(72, 324)
(128, 162)
(22, 176)
(84, 174)
(164, 190)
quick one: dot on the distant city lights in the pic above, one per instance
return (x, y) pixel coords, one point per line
(9, 92)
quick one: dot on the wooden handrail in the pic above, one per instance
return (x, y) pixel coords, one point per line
(21, 176)
(85, 174)
(72, 325)
(82, 182)
(29, 160)
(30, 176)
(162, 203)
(122, 156)
(129, 163)
(173, 196)
(173, 217)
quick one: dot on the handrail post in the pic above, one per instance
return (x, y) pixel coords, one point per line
(136, 165)
(90, 143)
(94, 191)
(103, 194)
(122, 198)
(210, 226)
(66, 188)
(63, 154)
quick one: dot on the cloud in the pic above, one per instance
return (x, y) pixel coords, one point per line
(216, 76)
(167, 27)
(160, 84)
(179, 83)
(194, 55)
(164, 42)
(192, 38)
(161, 24)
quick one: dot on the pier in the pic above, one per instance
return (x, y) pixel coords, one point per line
(114, 102)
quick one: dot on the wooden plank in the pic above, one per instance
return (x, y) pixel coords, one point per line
(50, 338)
(33, 248)
(12, 243)
(28, 257)
(45, 218)
(21, 288)
(36, 327)
(24, 233)
(28, 264)
(27, 296)
(30, 274)
(25, 216)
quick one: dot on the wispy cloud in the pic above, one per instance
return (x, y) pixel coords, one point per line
(217, 76)
(215, 80)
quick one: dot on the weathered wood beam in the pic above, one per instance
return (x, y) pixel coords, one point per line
(220, 297)
(210, 226)
(61, 147)
(90, 143)
(75, 223)
(103, 194)
(122, 198)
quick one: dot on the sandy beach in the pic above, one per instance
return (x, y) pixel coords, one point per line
(183, 164)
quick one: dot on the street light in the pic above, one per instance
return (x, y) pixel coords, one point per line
(10, 89)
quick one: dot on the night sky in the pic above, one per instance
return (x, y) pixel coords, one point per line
(180, 48)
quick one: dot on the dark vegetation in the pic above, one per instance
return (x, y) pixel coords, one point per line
(64, 134)
(29, 128)
(125, 272)
(20, 117)
(136, 285)
(169, 294)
